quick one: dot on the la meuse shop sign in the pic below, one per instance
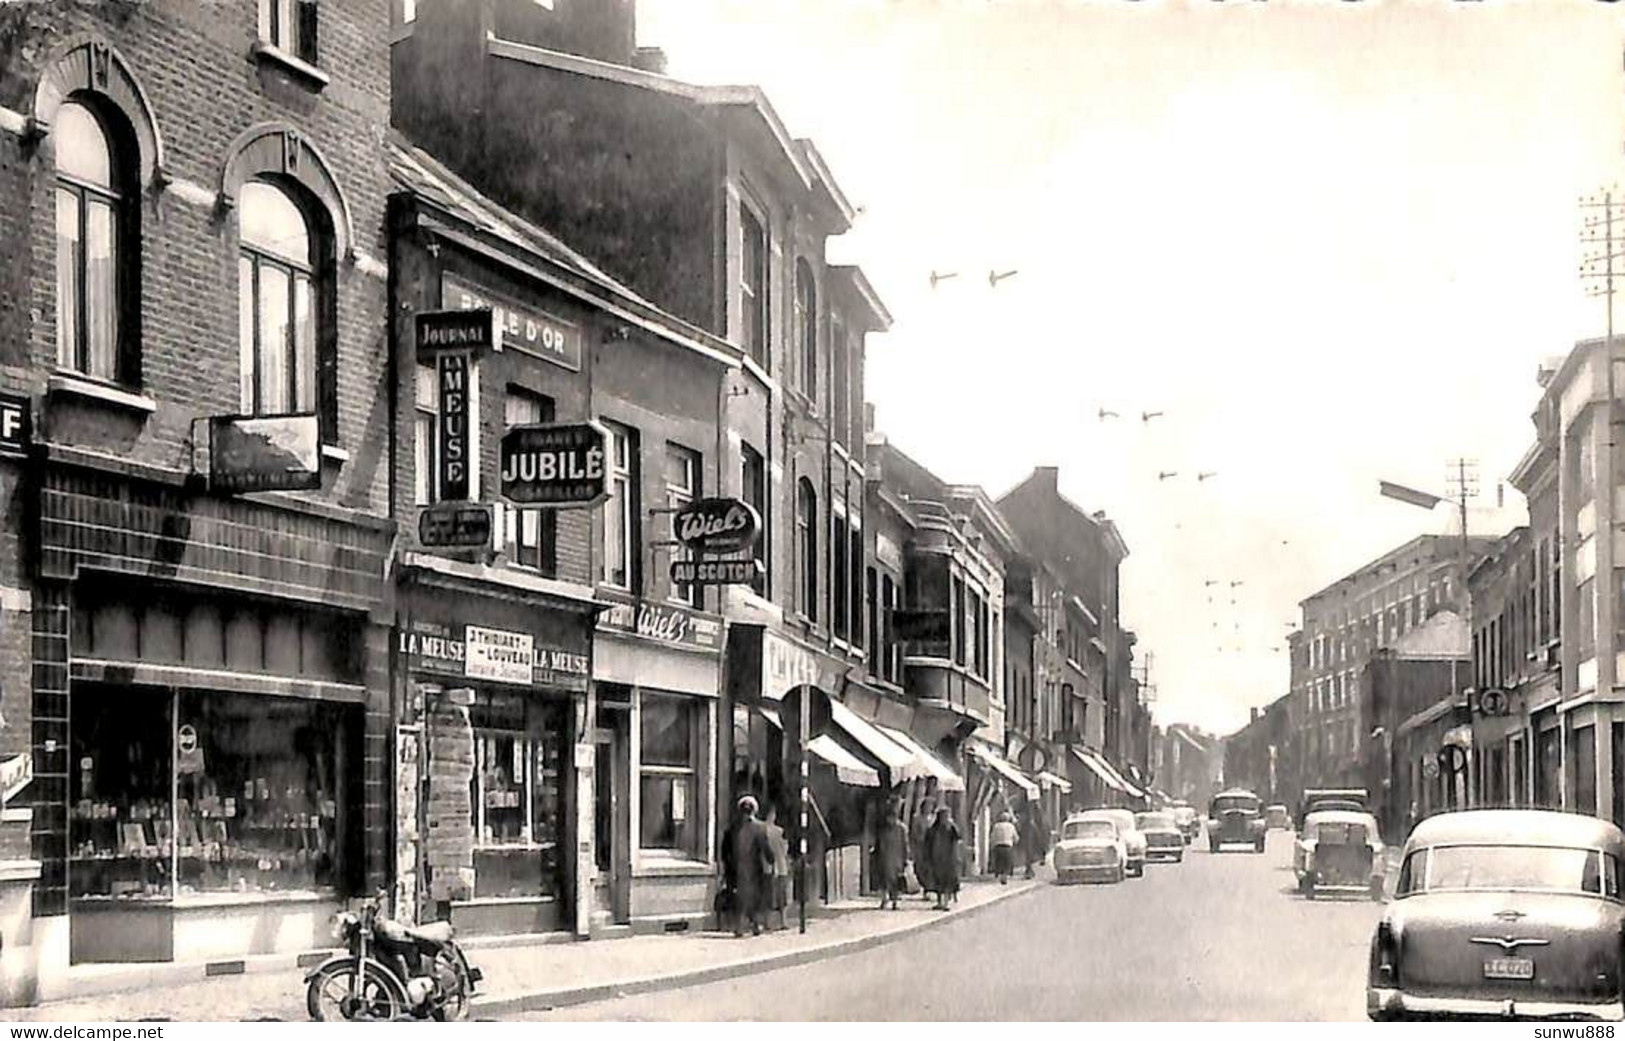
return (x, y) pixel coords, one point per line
(494, 655)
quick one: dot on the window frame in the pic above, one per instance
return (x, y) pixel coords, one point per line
(300, 37)
(425, 435)
(542, 557)
(753, 487)
(678, 496)
(118, 196)
(807, 549)
(699, 720)
(625, 475)
(755, 285)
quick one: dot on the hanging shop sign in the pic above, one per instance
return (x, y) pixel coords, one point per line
(728, 571)
(786, 665)
(455, 430)
(16, 425)
(663, 623)
(717, 526)
(465, 330)
(446, 524)
(528, 330)
(265, 453)
(494, 655)
(557, 465)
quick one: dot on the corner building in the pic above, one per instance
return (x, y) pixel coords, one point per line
(196, 536)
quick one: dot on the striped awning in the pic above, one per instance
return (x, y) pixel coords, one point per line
(1099, 768)
(849, 769)
(898, 761)
(998, 765)
(1129, 786)
(948, 779)
(1049, 780)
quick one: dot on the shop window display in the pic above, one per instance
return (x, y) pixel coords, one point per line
(517, 795)
(671, 742)
(179, 796)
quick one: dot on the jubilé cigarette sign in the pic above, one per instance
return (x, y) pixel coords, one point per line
(554, 464)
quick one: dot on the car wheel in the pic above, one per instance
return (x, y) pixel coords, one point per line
(1258, 847)
(1377, 889)
(1305, 884)
(1309, 893)
(1118, 877)
(1139, 871)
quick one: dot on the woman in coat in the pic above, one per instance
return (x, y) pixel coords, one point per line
(891, 855)
(924, 814)
(942, 854)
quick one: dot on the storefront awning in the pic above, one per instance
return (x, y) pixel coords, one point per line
(997, 764)
(898, 761)
(849, 769)
(1128, 786)
(1098, 766)
(1049, 780)
(947, 779)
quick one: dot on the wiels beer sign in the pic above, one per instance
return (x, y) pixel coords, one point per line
(716, 526)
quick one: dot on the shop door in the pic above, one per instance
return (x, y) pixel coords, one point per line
(612, 823)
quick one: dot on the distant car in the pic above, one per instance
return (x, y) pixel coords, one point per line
(1339, 851)
(1511, 914)
(1134, 842)
(1235, 816)
(1090, 849)
(1354, 800)
(1163, 840)
(1189, 822)
(1276, 818)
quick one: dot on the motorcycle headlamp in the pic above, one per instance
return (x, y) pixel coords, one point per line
(341, 924)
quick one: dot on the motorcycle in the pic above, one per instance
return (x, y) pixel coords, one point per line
(391, 971)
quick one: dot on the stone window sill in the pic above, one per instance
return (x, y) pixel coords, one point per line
(267, 53)
(335, 454)
(66, 384)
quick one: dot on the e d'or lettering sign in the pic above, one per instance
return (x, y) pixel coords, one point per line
(716, 526)
(554, 464)
(712, 572)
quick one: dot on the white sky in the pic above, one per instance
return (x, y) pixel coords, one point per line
(1330, 240)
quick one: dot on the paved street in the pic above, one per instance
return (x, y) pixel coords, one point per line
(1217, 938)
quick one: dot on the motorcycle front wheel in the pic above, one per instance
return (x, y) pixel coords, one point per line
(335, 995)
(455, 1006)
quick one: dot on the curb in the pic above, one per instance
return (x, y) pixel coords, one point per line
(543, 1000)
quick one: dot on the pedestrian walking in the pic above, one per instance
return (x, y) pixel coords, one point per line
(1004, 839)
(779, 893)
(747, 867)
(891, 854)
(1034, 838)
(923, 816)
(942, 857)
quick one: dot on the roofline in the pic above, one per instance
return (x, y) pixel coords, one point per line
(624, 302)
(1375, 561)
(865, 291)
(810, 169)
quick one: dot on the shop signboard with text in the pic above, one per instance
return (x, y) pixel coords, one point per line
(526, 329)
(787, 664)
(554, 465)
(265, 453)
(675, 625)
(493, 655)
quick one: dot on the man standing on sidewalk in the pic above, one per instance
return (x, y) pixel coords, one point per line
(748, 867)
(891, 854)
(779, 894)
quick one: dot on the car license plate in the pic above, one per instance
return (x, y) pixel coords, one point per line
(1509, 969)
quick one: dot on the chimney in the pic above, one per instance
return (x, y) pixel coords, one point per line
(868, 417)
(1048, 478)
(1254, 715)
(650, 59)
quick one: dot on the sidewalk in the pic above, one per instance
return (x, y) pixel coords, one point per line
(557, 974)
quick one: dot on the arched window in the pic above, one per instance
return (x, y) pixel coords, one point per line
(807, 547)
(807, 328)
(281, 292)
(93, 230)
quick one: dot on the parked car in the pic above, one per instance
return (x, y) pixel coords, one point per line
(1090, 849)
(1276, 818)
(1189, 821)
(1163, 840)
(1339, 851)
(1504, 914)
(1134, 843)
(1235, 816)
